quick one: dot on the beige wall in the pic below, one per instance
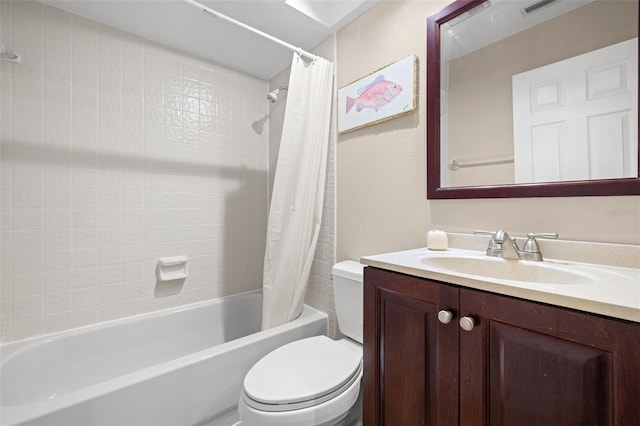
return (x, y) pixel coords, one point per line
(381, 189)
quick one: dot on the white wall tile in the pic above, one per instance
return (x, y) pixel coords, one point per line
(85, 218)
(6, 311)
(27, 197)
(27, 241)
(132, 272)
(133, 253)
(85, 277)
(26, 285)
(57, 36)
(29, 133)
(132, 199)
(132, 236)
(58, 239)
(109, 217)
(85, 297)
(58, 321)
(27, 306)
(110, 311)
(6, 280)
(153, 234)
(58, 281)
(57, 198)
(27, 327)
(133, 307)
(57, 176)
(135, 290)
(110, 274)
(86, 257)
(114, 159)
(84, 238)
(28, 263)
(85, 179)
(85, 316)
(111, 255)
(28, 108)
(58, 302)
(110, 293)
(27, 175)
(110, 199)
(58, 219)
(109, 237)
(61, 260)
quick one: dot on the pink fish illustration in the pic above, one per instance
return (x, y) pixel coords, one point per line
(374, 95)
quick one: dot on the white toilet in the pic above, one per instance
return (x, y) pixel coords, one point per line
(313, 381)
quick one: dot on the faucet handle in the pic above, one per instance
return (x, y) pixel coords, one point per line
(531, 247)
(496, 236)
(484, 232)
(549, 235)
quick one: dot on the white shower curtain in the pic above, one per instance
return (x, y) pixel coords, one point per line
(298, 191)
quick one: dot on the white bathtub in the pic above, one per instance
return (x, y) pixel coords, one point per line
(180, 366)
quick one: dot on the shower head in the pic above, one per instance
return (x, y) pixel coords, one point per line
(258, 125)
(273, 95)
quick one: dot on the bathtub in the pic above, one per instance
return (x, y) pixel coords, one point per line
(181, 366)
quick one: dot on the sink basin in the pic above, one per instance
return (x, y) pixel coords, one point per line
(511, 270)
(598, 288)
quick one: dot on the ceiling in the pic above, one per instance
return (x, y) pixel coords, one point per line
(174, 23)
(494, 20)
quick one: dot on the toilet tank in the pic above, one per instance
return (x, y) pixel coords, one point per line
(347, 294)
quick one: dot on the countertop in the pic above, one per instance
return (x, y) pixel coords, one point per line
(618, 297)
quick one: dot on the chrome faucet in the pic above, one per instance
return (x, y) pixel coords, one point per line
(530, 249)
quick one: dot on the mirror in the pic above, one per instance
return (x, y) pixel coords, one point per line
(532, 98)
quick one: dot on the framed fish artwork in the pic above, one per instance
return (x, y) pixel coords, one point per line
(387, 93)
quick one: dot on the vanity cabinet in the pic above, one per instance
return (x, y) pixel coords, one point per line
(522, 363)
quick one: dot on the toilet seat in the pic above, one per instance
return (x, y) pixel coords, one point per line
(302, 374)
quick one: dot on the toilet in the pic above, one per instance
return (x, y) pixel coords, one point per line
(313, 381)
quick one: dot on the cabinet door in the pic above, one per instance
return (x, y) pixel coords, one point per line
(410, 358)
(526, 363)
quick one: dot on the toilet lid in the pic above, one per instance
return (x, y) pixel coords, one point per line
(303, 370)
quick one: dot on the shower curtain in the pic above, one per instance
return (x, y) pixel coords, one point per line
(298, 191)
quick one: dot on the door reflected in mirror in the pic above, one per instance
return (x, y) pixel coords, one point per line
(535, 92)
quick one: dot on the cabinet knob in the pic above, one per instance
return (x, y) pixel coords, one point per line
(467, 323)
(445, 317)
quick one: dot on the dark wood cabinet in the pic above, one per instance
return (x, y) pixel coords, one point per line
(523, 363)
(410, 358)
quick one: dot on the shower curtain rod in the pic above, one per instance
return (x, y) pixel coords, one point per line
(249, 28)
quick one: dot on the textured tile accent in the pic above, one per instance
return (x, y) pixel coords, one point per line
(116, 151)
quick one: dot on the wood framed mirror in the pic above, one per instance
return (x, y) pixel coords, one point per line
(477, 144)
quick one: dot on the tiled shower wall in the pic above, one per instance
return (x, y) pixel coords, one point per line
(117, 151)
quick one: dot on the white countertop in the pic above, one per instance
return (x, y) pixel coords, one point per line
(616, 293)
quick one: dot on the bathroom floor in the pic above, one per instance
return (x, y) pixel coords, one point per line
(230, 418)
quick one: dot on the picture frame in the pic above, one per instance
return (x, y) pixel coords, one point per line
(386, 93)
